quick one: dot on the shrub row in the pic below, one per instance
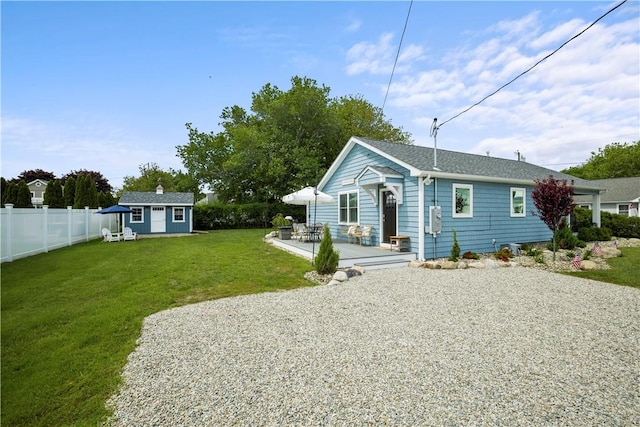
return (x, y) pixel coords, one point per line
(612, 224)
(219, 216)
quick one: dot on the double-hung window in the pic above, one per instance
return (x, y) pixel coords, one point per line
(136, 215)
(462, 201)
(517, 198)
(348, 207)
(178, 214)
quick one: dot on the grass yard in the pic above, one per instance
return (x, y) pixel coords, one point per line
(71, 317)
(624, 269)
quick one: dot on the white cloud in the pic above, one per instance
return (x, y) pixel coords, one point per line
(583, 97)
(87, 143)
(378, 57)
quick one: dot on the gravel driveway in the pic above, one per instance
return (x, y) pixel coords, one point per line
(408, 346)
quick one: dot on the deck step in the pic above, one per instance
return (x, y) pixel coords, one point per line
(374, 265)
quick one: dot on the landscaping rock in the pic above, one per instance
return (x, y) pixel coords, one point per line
(340, 276)
(589, 265)
(334, 282)
(449, 265)
(416, 264)
(358, 268)
(476, 264)
(611, 253)
(352, 272)
(433, 265)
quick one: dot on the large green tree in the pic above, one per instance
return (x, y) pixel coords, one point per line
(23, 196)
(101, 183)
(617, 160)
(86, 192)
(53, 196)
(288, 140)
(32, 175)
(69, 191)
(151, 175)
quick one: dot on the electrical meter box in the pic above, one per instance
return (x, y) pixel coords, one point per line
(435, 219)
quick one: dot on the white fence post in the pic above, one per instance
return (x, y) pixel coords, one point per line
(9, 207)
(86, 222)
(69, 223)
(45, 228)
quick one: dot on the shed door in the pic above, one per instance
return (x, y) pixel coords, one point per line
(389, 215)
(158, 219)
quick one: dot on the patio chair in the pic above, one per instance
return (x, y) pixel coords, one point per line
(351, 233)
(129, 234)
(108, 236)
(301, 232)
(365, 234)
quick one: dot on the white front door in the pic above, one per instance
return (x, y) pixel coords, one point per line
(158, 219)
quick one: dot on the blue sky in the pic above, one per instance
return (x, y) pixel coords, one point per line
(109, 86)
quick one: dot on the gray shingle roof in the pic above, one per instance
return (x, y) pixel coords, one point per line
(454, 162)
(130, 198)
(618, 190)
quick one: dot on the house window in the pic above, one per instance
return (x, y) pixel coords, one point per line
(348, 207)
(623, 209)
(518, 208)
(178, 214)
(136, 215)
(462, 201)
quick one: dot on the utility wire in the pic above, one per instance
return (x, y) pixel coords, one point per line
(397, 55)
(534, 65)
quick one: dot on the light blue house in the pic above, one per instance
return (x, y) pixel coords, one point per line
(159, 212)
(404, 190)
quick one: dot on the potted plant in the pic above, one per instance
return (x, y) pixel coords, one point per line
(283, 225)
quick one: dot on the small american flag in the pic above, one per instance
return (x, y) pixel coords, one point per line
(577, 261)
(615, 244)
(596, 249)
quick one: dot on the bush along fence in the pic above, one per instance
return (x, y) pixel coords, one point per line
(221, 216)
(26, 231)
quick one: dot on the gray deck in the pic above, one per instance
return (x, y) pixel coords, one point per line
(369, 257)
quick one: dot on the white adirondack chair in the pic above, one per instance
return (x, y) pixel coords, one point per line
(109, 236)
(129, 234)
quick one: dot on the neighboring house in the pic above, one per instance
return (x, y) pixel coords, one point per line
(622, 196)
(158, 212)
(402, 190)
(37, 187)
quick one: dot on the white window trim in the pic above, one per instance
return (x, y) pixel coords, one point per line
(454, 214)
(349, 207)
(524, 202)
(131, 215)
(184, 214)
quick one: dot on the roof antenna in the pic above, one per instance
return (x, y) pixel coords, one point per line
(434, 134)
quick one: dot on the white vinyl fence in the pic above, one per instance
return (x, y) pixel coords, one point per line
(27, 231)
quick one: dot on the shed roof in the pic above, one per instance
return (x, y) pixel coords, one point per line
(147, 198)
(452, 164)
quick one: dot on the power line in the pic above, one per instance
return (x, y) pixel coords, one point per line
(534, 65)
(397, 55)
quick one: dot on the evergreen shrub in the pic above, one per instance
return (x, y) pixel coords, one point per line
(326, 261)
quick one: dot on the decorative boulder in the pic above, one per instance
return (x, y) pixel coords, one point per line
(449, 265)
(588, 265)
(340, 276)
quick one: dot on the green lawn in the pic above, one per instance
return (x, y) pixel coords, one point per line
(71, 317)
(624, 269)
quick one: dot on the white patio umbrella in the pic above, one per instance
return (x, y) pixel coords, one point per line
(308, 196)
